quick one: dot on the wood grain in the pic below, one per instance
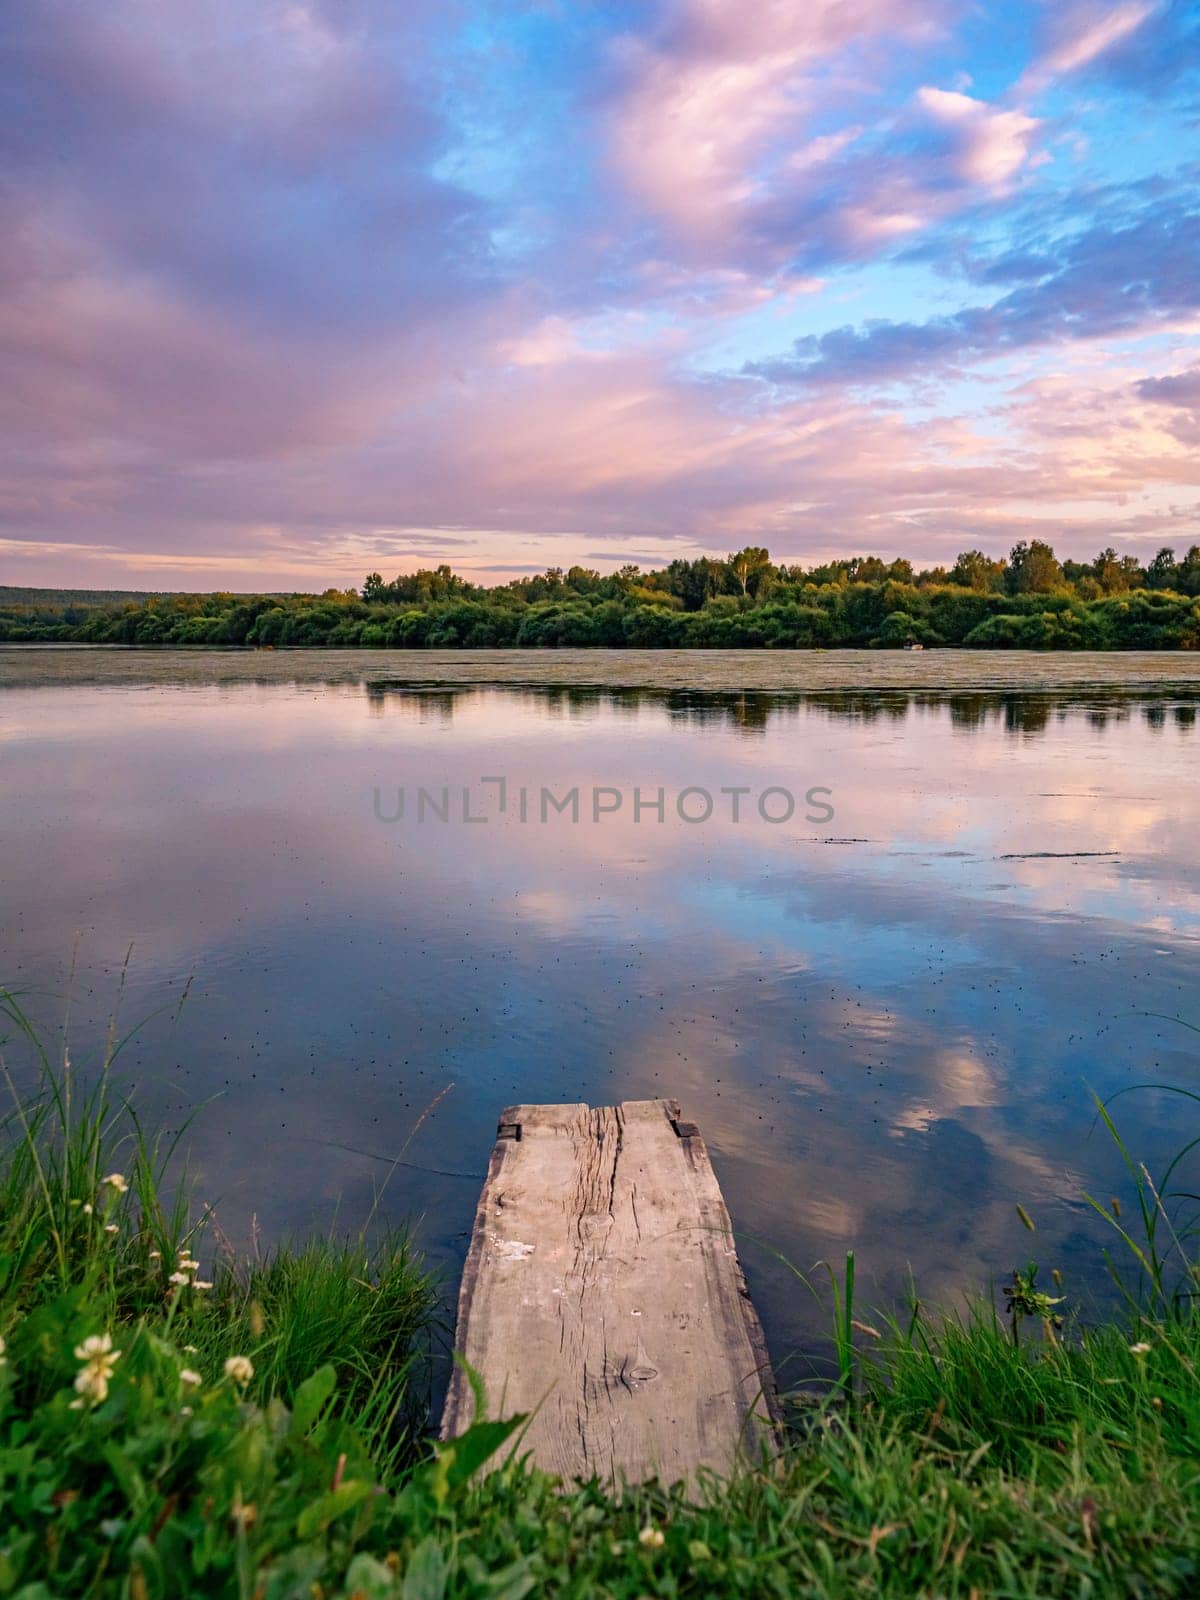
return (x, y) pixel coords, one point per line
(603, 1293)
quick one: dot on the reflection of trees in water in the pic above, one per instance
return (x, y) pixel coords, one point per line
(852, 705)
(580, 699)
(749, 711)
(1026, 716)
(1183, 716)
(753, 711)
(424, 705)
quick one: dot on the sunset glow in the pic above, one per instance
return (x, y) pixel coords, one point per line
(294, 291)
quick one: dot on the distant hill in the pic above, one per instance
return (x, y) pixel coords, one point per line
(14, 596)
(11, 595)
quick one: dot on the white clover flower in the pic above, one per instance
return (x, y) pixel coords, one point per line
(88, 1208)
(201, 1284)
(92, 1383)
(117, 1181)
(156, 1255)
(111, 1227)
(185, 1411)
(179, 1277)
(239, 1368)
(99, 1358)
(190, 1350)
(95, 1346)
(1141, 1348)
(190, 1379)
(651, 1538)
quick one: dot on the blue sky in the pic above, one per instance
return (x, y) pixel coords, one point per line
(294, 291)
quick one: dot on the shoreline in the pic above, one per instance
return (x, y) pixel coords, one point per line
(716, 671)
(259, 1431)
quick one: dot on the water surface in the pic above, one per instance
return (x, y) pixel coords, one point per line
(886, 1021)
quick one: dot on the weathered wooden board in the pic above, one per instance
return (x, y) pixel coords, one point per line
(603, 1293)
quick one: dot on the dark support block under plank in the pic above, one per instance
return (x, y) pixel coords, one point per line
(603, 1292)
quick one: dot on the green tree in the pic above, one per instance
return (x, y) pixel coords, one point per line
(1189, 572)
(973, 570)
(898, 630)
(1033, 569)
(747, 567)
(1162, 572)
(696, 582)
(1116, 574)
(583, 580)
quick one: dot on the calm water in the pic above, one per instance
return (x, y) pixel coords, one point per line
(885, 1021)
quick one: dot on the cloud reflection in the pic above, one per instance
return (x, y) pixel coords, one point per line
(886, 1030)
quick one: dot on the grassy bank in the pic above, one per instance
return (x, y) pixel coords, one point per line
(176, 1421)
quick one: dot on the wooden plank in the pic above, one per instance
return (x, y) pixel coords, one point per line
(603, 1293)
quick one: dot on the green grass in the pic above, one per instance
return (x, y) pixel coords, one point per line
(990, 1454)
(68, 1237)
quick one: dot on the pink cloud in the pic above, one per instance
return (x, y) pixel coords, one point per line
(710, 127)
(558, 460)
(97, 358)
(248, 325)
(1083, 33)
(1181, 389)
(712, 133)
(990, 145)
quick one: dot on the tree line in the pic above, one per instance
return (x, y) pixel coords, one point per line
(1029, 601)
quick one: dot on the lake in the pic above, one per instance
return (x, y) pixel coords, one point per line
(886, 991)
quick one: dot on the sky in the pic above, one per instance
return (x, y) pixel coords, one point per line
(290, 292)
